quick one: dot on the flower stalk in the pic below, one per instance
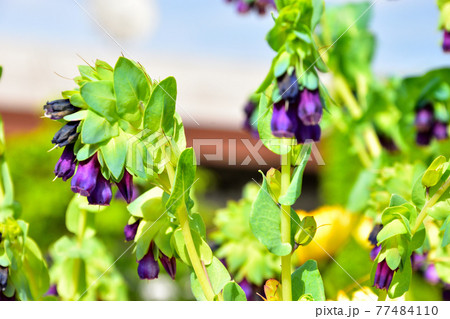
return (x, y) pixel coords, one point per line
(286, 228)
(423, 213)
(193, 255)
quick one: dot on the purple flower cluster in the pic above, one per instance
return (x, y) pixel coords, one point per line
(298, 113)
(87, 178)
(148, 266)
(260, 6)
(428, 126)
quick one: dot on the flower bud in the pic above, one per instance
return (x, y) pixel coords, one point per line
(57, 109)
(85, 178)
(66, 165)
(66, 135)
(126, 186)
(440, 131)
(374, 233)
(102, 193)
(288, 87)
(169, 264)
(148, 267)
(130, 230)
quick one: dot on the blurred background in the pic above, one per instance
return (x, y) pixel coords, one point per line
(218, 58)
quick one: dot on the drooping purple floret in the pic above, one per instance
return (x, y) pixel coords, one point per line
(424, 118)
(85, 178)
(424, 138)
(130, 230)
(169, 264)
(374, 252)
(3, 278)
(247, 287)
(310, 108)
(52, 291)
(66, 135)
(57, 109)
(383, 276)
(102, 193)
(284, 122)
(307, 133)
(148, 267)
(66, 165)
(126, 186)
(446, 41)
(440, 131)
(418, 260)
(431, 275)
(242, 6)
(374, 233)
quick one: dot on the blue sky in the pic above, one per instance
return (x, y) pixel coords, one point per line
(407, 35)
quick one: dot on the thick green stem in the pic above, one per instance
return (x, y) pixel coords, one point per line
(369, 135)
(77, 262)
(193, 255)
(286, 229)
(430, 203)
(382, 295)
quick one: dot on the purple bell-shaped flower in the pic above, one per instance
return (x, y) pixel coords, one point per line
(85, 178)
(126, 186)
(284, 122)
(102, 193)
(383, 276)
(446, 41)
(130, 230)
(169, 264)
(66, 165)
(148, 267)
(310, 108)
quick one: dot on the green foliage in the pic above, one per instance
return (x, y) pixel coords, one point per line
(265, 222)
(218, 276)
(307, 280)
(245, 256)
(233, 292)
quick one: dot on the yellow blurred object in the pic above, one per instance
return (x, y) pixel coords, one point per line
(362, 232)
(334, 224)
(363, 294)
